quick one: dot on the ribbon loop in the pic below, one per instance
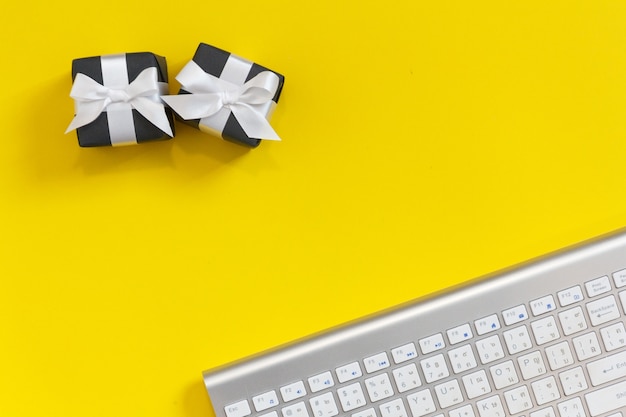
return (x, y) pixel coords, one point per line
(92, 98)
(210, 94)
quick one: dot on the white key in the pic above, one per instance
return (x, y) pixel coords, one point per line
(264, 401)
(407, 378)
(542, 305)
(614, 336)
(545, 330)
(518, 400)
(270, 414)
(435, 368)
(370, 412)
(603, 310)
(545, 390)
(348, 372)
(321, 381)
(573, 381)
(515, 315)
(517, 340)
(570, 296)
(559, 356)
(351, 397)
(487, 324)
(622, 297)
(238, 409)
(607, 369)
(393, 408)
(586, 346)
(490, 349)
(545, 412)
(421, 403)
(432, 343)
(324, 405)
(376, 362)
(504, 374)
(572, 321)
(459, 334)
(379, 387)
(571, 408)
(531, 365)
(611, 398)
(295, 410)
(404, 353)
(462, 359)
(598, 286)
(476, 384)
(293, 391)
(490, 407)
(465, 411)
(619, 278)
(449, 393)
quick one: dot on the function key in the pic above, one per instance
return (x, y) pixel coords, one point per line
(376, 362)
(238, 409)
(264, 401)
(432, 343)
(515, 315)
(321, 381)
(570, 296)
(460, 334)
(348, 372)
(404, 353)
(598, 286)
(293, 391)
(487, 324)
(620, 278)
(542, 305)
(295, 410)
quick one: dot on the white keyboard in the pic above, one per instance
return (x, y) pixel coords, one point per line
(544, 339)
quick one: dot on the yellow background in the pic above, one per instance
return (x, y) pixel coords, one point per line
(424, 143)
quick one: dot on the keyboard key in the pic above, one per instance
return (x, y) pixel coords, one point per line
(490, 407)
(324, 405)
(435, 368)
(614, 336)
(603, 310)
(619, 278)
(459, 334)
(504, 374)
(586, 346)
(598, 286)
(517, 340)
(449, 393)
(573, 381)
(421, 403)
(432, 343)
(518, 400)
(476, 384)
(531, 365)
(542, 305)
(465, 411)
(379, 387)
(571, 408)
(545, 390)
(462, 359)
(622, 297)
(351, 397)
(407, 378)
(393, 408)
(607, 369)
(570, 296)
(572, 321)
(348, 372)
(295, 410)
(611, 398)
(545, 412)
(270, 414)
(404, 353)
(490, 349)
(321, 381)
(515, 315)
(376, 362)
(292, 391)
(559, 356)
(487, 324)
(264, 401)
(545, 330)
(238, 409)
(370, 412)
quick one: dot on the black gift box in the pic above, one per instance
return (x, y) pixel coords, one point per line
(97, 133)
(218, 63)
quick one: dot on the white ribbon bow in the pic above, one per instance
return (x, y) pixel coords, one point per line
(210, 94)
(92, 98)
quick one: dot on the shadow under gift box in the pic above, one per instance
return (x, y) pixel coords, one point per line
(236, 70)
(98, 132)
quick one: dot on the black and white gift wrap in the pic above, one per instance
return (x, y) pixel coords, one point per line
(118, 99)
(228, 96)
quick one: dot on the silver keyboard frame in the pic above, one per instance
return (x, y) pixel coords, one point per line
(412, 321)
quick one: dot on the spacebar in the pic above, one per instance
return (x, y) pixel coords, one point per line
(607, 399)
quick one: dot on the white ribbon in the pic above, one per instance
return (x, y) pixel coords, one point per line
(92, 98)
(210, 94)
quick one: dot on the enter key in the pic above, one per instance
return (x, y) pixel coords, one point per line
(607, 369)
